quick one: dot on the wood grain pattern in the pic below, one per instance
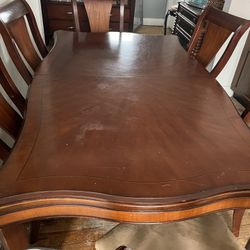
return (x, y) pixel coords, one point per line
(247, 119)
(20, 34)
(10, 121)
(237, 219)
(14, 237)
(58, 16)
(99, 13)
(213, 29)
(15, 33)
(138, 142)
(14, 54)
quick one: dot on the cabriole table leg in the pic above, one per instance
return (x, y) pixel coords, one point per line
(237, 218)
(14, 237)
(248, 245)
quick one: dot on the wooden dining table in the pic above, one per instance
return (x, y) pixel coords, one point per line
(124, 127)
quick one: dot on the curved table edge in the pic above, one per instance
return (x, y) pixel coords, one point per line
(73, 206)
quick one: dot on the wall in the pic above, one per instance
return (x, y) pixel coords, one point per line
(227, 5)
(240, 8)
(154, 12)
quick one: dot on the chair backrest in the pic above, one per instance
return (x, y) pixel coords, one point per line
(16, 36)
(98, 12)
(213, 29)
(246, 117)
(76, 15)
(10, 122)
(11, 89)
(10, 119)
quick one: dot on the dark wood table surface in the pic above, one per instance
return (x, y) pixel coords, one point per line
(125, 127)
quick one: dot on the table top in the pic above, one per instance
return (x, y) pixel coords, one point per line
(126, 119)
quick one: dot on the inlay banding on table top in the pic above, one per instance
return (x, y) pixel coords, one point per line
(115, 127)
(73, 207)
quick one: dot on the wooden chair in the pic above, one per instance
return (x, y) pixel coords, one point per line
(15, 15)
(244, 101)
(248, 245)
(98, 12)
(246, 117)
(213, 29)
(11, 90)
(10, 120)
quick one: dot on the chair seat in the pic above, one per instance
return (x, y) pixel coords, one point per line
(206, 233)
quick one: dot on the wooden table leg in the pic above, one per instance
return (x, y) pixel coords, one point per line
(237, 218)
(14, 237)
(248, 245)
(34, 231)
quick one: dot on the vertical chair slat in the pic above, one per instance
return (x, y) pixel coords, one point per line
(98, 12)
(10, 120)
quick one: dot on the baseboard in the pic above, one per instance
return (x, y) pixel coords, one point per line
(153, 21)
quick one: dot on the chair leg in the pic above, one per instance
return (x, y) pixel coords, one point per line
(248, 245)
(14, 237)
(244, 114)
(165, 23)
(246, 118)
(34, 231)
(123, 248)
(237, 219)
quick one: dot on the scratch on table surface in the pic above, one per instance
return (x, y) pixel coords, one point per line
(90, 108)
(133, 98)
(103, 85)
(89, 127)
